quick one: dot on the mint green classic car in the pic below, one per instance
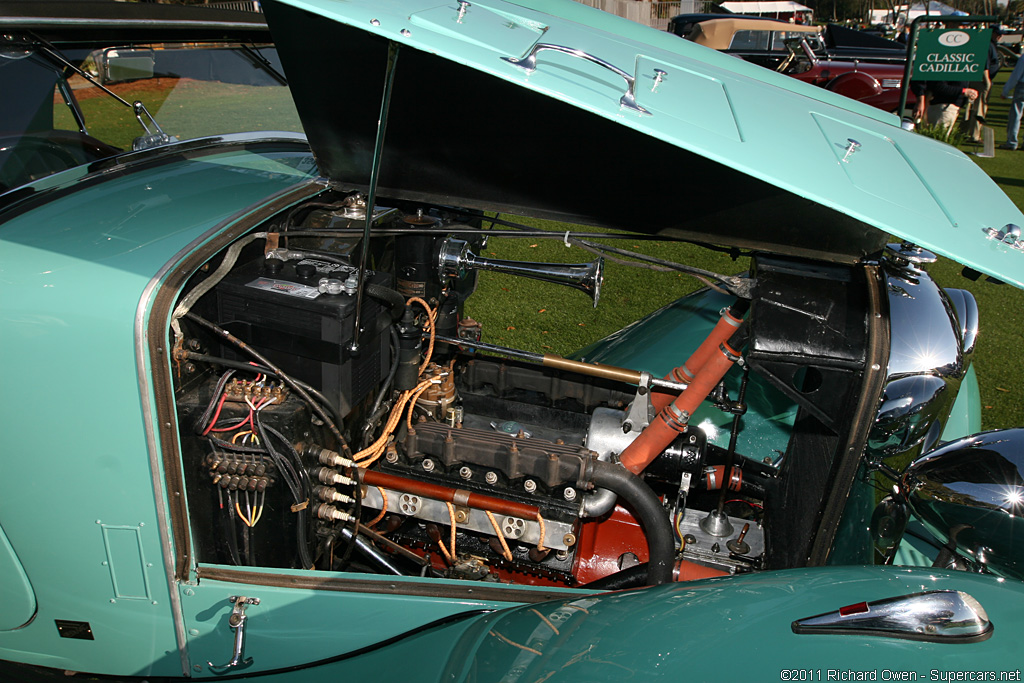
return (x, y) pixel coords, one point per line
(236, 255)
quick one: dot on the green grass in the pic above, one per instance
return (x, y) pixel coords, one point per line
(185, 108)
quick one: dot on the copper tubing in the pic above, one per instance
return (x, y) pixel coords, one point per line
(714, 478)
(685, 373)
(448, 495)
(671, 421)
(594, 370)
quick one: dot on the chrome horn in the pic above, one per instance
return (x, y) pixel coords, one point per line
(455, 259)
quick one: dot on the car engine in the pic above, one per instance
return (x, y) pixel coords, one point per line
(355, 423)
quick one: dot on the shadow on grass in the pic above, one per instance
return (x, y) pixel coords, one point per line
(1018, 182)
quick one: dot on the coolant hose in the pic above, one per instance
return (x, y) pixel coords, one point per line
(388, 296)
(685, 373)
(672, 421)
(651, 515)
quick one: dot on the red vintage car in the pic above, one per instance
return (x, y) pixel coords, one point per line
(874, 83)
(801, 52)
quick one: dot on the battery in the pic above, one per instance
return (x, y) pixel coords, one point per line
(279, 310)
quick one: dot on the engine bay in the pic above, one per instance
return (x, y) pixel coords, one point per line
(346, 416)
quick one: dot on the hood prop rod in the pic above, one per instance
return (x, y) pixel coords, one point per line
(371, 195)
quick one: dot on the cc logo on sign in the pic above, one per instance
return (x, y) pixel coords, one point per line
(954, 38)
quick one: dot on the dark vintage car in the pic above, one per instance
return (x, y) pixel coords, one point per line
(250, 428)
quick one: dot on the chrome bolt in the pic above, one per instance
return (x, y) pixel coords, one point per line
(530, 485)
(569, 494)
(391, 457)
(428, 465)
(465, 473)
(561, 555)
(491, 478)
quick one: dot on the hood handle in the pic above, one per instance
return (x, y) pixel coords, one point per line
(529, 64)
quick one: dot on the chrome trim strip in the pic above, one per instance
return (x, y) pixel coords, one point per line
(425, 589)
(149, 416)
(134, 23)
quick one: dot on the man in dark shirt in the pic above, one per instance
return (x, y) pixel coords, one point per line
(941, 101)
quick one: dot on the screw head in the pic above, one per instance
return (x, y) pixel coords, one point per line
(465, 473)
(491, 478)
(428, 465)
(530, 485)
(569, 494)
(391, 457)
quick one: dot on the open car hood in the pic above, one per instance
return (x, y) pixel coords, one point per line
(725, 152)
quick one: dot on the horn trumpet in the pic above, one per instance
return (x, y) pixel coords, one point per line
(455, 260)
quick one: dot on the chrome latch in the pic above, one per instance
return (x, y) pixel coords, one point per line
(851, 148)
(1010, 234)
(237, 623)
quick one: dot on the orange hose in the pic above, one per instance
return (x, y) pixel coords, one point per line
(714, 478)
(685, 373)
(671, 421)
(691, 571)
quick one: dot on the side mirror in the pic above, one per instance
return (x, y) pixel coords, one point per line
(123, 64)
(969, 493)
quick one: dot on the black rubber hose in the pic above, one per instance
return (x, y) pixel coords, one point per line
(651, 515)
(388, 296)
(631, 577)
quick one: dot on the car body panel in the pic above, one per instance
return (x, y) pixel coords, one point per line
(756, 610)
(942, 210)
(61, 260)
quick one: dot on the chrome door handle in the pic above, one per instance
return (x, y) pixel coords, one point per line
(236, 622)
(529, 63)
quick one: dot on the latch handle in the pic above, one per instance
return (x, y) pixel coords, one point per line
(237, 622)
(529, 63)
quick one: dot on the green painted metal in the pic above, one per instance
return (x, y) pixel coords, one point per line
(965, 416)
(675, 632)
(944, 201)
(664, 340)
(293, 627)
(77, 498)
(17, 599)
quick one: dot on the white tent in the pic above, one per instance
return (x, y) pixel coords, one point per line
(768, 8)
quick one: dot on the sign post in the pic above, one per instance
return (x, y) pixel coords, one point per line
(948, 52)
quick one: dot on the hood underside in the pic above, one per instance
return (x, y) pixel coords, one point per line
(725, 152)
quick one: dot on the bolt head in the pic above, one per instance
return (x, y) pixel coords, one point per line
(491, 478)
(569, 494)
(530, 485)
(465, 473)
(428, 465)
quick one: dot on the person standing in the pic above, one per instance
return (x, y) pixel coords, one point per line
(979, 108)
(941, 100)
(1014, 88)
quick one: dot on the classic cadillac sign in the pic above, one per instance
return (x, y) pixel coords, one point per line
(951, 54)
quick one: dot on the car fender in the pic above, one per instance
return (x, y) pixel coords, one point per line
(855, 84)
